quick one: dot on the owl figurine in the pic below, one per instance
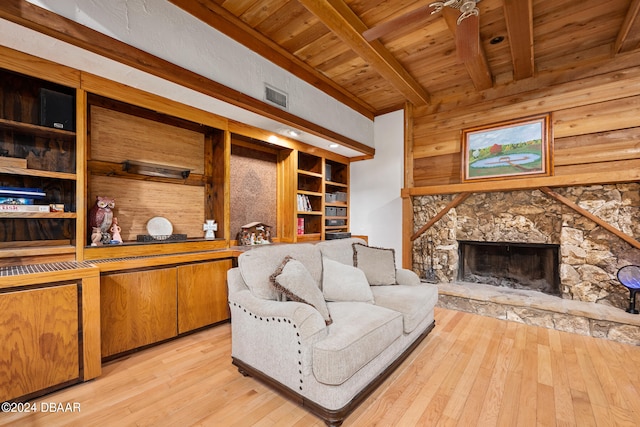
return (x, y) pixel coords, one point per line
(101, 216)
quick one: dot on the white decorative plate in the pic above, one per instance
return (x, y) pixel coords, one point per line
(159, 228)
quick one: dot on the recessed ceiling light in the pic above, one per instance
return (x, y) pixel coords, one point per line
(334, 145)
(293, 133)
(272, 139)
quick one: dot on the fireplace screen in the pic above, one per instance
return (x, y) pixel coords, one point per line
(515, 265)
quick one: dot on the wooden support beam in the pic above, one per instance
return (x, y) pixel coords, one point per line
(633, 242)
(222, 20)
(455, 202)
(343, 22)
(519, 17)
(629, 34)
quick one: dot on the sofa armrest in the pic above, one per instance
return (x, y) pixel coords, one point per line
(308, 320)
(304, 316)
(406, 277)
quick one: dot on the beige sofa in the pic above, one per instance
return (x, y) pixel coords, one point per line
(331, 355)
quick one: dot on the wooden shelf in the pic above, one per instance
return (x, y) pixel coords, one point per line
(33, 250)
(47, 215)
(309, 237)
(309, 213)
(309, 173)
(336, 184)
(37, 130)
(310, 193)
(38, 173)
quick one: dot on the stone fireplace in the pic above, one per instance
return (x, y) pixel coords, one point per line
(515, 265)
(588, 256)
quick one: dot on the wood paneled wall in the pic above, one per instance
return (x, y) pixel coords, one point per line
(595, 120)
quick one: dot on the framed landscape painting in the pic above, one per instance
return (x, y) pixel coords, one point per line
(507, 150)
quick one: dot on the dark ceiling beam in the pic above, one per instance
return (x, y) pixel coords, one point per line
(519, 17)
(343, 22)
(41, 20)
(629, 35)
(475, 60)
(222, 20)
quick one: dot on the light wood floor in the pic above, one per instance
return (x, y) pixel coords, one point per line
(471, 370)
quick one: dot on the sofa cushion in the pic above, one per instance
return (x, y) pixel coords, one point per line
(293, 279)
(359, 333)
(340, 250)
(258, 264)
(342, 282)
(414, 302)
(378, 264)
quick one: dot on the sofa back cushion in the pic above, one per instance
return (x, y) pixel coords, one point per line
(340, 250)
(258, 264)
(378, 264)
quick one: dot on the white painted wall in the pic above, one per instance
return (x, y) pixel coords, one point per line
(376, 205)
(166, 31)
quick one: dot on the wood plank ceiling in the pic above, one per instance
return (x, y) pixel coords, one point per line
(321, 42)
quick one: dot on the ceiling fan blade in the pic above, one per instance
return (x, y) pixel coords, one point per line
(414, 17)
(468, 38)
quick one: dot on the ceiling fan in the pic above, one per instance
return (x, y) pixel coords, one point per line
(467, 31)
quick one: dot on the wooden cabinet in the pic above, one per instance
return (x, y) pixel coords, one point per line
(139, 308)
(37, 151)
(202, 294)
(49, 328)
(38, 340)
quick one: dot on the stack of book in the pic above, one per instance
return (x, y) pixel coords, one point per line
(16, 199)
(304, 205)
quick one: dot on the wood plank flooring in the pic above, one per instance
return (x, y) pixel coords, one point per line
(470, 371)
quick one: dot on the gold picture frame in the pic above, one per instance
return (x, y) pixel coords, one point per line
(510, 149)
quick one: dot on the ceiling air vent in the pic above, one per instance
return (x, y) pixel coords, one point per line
(275, 96)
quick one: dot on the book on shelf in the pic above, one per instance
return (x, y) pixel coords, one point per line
(300, 226)
(304, 204)
(19, 192)
(24, 208)
(15, 201)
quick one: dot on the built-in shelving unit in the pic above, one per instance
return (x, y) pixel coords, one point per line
(309, 199)
(336, 196)
(322, 193)
(34, 155)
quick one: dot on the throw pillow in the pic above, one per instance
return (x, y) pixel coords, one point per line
(341, 282)
(378, 264)
(294, 280)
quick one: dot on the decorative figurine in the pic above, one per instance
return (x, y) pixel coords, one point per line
(209, 227)
(96, 237)
(101, 216)
(115, 232)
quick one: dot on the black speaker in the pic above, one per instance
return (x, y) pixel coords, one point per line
(57, 110)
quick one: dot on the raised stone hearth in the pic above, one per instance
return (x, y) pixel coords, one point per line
(539, 309)
(589, 258)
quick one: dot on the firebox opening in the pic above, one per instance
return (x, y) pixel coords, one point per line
(529, 266)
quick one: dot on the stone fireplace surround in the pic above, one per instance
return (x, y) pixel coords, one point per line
(592, 301)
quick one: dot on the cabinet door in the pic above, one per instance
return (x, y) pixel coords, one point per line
(38, 340)
(137, 309)
(202, 294)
